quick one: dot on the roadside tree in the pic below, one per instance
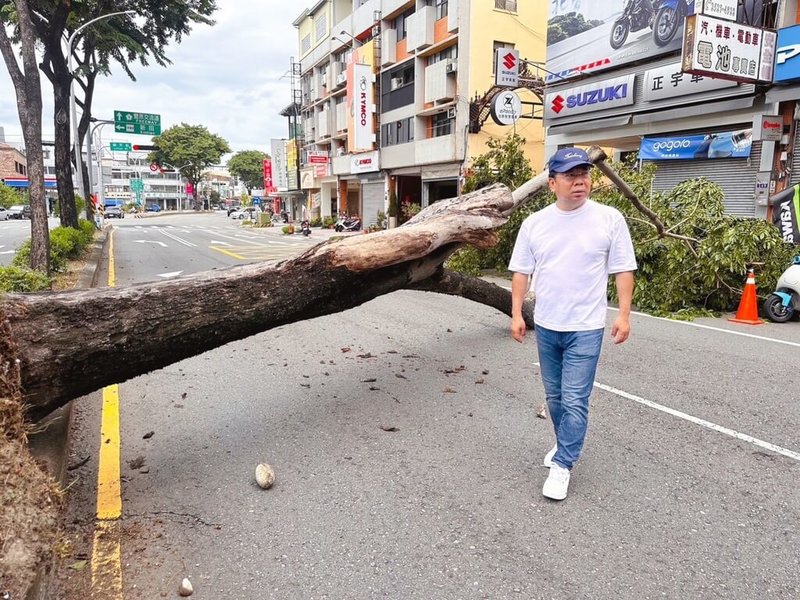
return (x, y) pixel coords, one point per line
(248, 166)
(119, 40)
(192, 146)
(29, 106)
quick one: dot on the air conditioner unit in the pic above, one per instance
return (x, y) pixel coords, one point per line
(341, 78)
(451, 112)
(452, 66)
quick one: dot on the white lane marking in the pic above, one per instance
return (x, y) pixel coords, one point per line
(173, 274)
(218, 243)
(180, 240)
(709, 327)
(151, 242)
(698, 421)
(703, 423)
(700, 326)
(8, 252)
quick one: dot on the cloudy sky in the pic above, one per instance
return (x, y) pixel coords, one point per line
(230, 77)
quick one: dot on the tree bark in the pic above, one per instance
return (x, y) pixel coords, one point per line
(64, 349)
(29, 106)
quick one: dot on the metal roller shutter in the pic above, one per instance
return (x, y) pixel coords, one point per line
(371, 203)
(736, 177)
(795, 175)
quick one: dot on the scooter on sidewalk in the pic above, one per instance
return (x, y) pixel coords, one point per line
(348, 224)
(305, 228)
(784, 302)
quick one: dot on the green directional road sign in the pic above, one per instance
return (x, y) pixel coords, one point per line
(137, 185)
(120, 147)
(135, 122)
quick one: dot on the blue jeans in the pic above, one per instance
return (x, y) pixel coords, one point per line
(568, 362)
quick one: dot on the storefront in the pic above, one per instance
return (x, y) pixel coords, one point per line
(658, 105)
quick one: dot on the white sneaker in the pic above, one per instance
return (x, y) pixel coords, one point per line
(548, 458)
(557, 483)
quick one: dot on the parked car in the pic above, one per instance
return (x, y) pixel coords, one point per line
(115, 212)
(248, 212)
(233, 209)
(3, 213)
(153, 208)
(20, 211)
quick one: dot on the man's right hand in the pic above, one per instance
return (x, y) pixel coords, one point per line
(518, 328)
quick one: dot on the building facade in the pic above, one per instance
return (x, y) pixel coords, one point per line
(385, 91)
(626, 88)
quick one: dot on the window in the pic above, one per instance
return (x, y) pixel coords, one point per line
(441, 124)
(400, 24)
(509, 5)
(441, 9)
(320, 26)
(305, 44)
(401, 77)
(398, 132)
(451, 52)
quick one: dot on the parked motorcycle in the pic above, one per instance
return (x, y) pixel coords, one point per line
(669, 17)
(348, 224)
(784, 302)
(305, 228)
(636, 15)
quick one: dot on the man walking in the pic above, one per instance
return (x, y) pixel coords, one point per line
(571, 247)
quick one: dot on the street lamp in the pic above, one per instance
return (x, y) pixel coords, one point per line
(73, 113)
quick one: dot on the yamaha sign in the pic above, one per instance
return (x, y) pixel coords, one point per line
(597, 96)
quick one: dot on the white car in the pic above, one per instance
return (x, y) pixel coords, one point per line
(3, 214)
(248, 212)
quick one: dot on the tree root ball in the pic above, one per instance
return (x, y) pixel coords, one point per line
(265, 476)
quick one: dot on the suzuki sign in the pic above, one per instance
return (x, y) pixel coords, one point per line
(506, 67)
(596, 96)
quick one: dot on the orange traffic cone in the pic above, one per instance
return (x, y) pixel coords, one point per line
(748, 305)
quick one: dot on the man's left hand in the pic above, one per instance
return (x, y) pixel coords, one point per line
(621, 330)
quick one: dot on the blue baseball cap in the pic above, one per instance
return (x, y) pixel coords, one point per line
(568, 158)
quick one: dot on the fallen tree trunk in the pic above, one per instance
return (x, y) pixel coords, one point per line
(64, 348)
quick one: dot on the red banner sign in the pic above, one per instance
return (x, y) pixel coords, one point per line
(268, 186)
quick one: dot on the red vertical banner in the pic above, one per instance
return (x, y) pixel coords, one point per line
(189, 189)
(268, 187)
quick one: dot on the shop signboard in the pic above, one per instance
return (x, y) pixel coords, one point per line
(506, 108)
(586, 37)
(787, 56)
(730, 144)
(668, 82)
(722, 9)
(786, 213)
(506, 67)
(268, 184)
(727, 50)
(768, 128)
(365, 162)
(599, 95)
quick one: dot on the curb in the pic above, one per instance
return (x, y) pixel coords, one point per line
(50, 445)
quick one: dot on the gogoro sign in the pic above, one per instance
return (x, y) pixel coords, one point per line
(600, 95)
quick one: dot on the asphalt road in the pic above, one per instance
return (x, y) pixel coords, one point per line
(687, 487)
(13, 232)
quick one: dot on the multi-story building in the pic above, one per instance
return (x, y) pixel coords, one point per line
(391, 94)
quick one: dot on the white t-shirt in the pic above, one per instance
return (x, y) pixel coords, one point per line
(572, 254)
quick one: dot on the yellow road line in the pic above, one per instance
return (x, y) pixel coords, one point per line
(106, 561)
(227, 252)
(106, 550)
(109, 500)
